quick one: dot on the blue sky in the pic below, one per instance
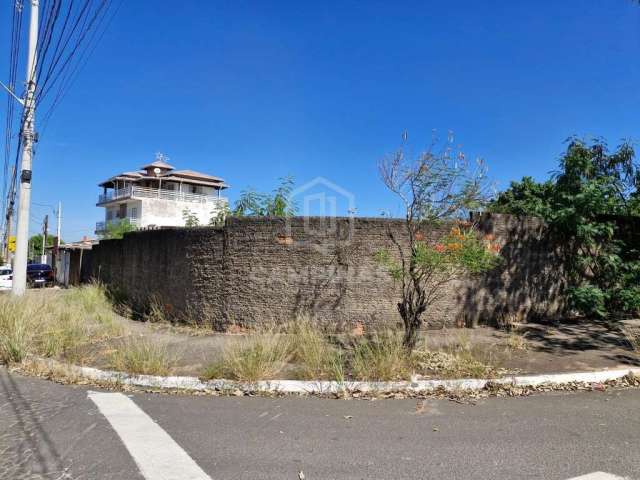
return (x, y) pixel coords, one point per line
(253, 91)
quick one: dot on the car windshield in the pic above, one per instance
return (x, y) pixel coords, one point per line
(5, 271)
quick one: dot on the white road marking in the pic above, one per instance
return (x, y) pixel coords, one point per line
(157, 455)
(598, 476)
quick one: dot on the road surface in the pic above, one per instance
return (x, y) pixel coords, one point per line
(51, 431)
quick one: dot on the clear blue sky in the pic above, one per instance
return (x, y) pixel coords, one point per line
(252, 91)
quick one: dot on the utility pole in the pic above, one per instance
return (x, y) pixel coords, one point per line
(59, 226)
(28, 137)
(45, 233)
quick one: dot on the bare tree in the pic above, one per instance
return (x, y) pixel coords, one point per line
(436, 186)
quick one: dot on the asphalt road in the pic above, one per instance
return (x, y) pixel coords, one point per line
(50, 431)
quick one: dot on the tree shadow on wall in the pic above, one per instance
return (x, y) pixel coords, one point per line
(323, 297)
(530, 280)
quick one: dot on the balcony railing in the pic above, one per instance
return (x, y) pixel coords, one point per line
(144, 192)
(101, 227)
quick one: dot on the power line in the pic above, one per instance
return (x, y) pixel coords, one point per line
(84, 57)
(66, 36)
(14, 51)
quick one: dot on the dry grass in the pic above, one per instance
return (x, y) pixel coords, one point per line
(265, 355)
(55, 323)
(517, 342)
(380, 357)
(70, 325)
(260, 357)
(315, 356)
(140, 356)
(460, 358)
(632, 335)
(16, 330)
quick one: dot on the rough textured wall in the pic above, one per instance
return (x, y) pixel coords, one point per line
(261, 271)
(173, 266)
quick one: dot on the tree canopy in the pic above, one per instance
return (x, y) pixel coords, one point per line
(116, 230)
(588, 201)
(276, 204)
(35, 244)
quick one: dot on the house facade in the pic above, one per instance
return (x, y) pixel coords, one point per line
(159, 195)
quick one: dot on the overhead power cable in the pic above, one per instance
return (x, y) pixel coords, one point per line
(69, 32)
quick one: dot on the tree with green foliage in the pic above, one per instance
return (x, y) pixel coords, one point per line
(587, 203)
(434, 188)
(116, 230)
(35, 244)
(219, 216)
(190, 218)
(277, 204)
(526, 197)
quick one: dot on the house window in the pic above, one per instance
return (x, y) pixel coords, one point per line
(109, 214)
(134, 212)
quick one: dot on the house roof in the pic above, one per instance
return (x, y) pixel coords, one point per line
(185, 176)
(158, 164)
(192, 174)
(194, 181)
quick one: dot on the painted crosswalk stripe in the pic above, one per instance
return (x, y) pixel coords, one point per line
(597, 476)
(157, 455)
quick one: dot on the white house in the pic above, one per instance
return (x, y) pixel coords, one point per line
(158, 196)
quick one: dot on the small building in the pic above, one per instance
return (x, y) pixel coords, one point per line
(160, 196)
(71, 262)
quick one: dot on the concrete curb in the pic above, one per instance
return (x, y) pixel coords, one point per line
(328, 387)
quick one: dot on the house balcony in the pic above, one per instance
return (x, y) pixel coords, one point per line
(101, 227)
(134, 192)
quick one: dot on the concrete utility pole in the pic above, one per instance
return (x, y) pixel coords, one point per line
(28, 138)
(45, 233)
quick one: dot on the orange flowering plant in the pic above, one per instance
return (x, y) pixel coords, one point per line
(459, 253)
(434, 188)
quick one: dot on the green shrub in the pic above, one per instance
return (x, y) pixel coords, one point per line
(588, 300)
(630, 299)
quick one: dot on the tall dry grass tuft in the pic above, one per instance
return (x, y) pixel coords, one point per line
(381, 357)
(260, 357)
(55, 323)
(316, 358)
(142, 357)
(17, 329)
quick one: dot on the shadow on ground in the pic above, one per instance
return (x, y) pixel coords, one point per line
(591, 342)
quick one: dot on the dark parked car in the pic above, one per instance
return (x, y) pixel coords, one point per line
(39, 275)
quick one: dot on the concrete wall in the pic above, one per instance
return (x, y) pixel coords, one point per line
(170, 212)
(258, 271)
